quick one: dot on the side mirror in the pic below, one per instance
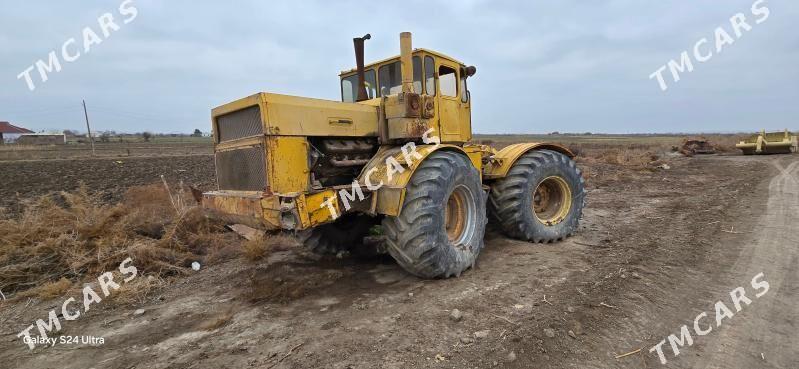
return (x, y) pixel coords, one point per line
(469, 71)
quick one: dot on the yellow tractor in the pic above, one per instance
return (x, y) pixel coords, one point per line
(393, 155)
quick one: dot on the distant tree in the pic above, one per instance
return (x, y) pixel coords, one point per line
(197, 133)
(105, 137)
(146, 136)
(70, 133)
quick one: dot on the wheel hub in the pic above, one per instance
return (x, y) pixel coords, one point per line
(552, 200)
(459, 215)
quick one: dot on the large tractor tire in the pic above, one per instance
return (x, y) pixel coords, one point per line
(440, 230)
(541, 199)
(344, 235)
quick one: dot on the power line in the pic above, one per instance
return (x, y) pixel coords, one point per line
(137, 113)
(137, 117)
(42, 111)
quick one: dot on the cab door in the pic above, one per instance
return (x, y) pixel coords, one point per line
(449, 102)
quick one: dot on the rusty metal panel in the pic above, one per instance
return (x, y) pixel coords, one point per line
(245, 207)
(239, 124)
(315, 211)
(241, 169)
(236, 204)
(272, 210)
(288, 164)
(390, 201)
(401, 128)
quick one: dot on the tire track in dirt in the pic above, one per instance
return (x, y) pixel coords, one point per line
(768, 326)
(672, 240)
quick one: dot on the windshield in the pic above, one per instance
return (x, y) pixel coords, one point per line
(349, 86)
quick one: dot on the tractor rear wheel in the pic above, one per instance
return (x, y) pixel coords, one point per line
(344, 235)
(541, 199)
(440, 230)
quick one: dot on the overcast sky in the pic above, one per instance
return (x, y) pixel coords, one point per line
(567, 65)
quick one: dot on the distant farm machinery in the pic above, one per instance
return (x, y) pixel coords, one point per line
(769, 143)
(696, 145)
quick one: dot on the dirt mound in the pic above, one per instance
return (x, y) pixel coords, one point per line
(636, 157)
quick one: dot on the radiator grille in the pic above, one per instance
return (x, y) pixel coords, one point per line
(239, 124)
(241, 169)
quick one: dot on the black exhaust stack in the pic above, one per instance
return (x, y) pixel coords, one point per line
(359, 41)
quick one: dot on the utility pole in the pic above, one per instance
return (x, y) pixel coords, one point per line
(89, 128)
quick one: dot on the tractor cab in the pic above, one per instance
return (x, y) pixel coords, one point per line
(436, 77)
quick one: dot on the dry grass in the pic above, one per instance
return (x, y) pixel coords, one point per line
(137, 290)
(642, 152)
(636, 156)
(257, 248)
(626, 150)
(62, 238)
(49, 290)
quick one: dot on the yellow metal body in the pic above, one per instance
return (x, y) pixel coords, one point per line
(501, 161)
(769, 143)
(409, 124)
(284, 115)
(392, 168)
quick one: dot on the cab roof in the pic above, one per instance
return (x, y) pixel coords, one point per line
(415, 51)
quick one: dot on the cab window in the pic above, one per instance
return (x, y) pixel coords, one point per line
(464, 90)
(429, 76)
(390, 79)
(447, 79)
(349, 86)
(417, 74)
(390, 76)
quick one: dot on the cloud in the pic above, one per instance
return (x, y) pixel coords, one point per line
(569, 66)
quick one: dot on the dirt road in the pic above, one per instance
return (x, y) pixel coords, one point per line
(766, 335)
(654, 250)
(761, 238)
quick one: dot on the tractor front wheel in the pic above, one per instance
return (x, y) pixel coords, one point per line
(440, 230)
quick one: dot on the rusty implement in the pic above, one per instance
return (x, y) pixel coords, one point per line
(697, 146)
(769, 143)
